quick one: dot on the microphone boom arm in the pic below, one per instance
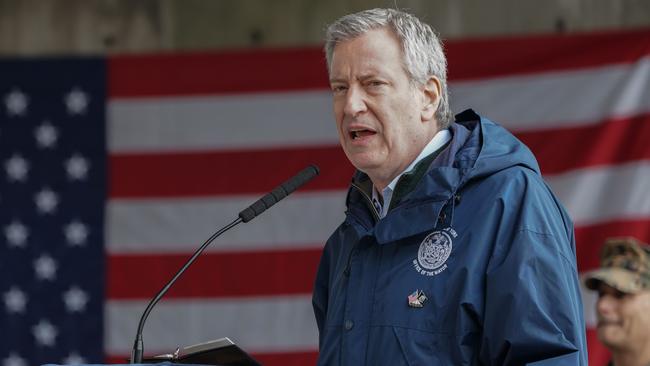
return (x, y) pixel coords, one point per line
(138, 347)
(245, 215)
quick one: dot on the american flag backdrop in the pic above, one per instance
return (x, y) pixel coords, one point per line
(114, 170)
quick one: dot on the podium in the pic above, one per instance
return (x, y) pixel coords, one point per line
(218, 352)
(135, 364)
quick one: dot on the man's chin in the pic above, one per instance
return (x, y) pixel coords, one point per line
(610, 335)
(364, 163)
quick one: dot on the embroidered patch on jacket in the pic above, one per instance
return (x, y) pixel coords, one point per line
(434, 252)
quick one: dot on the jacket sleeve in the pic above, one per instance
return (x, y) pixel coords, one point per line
(533, 307)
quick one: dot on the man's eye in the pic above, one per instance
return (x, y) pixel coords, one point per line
(619, 295)
(339, 88)
(613, 293)
(375, 83)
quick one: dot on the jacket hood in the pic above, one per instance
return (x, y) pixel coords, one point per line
(481, 147)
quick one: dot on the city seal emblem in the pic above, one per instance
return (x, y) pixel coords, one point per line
(434, 252)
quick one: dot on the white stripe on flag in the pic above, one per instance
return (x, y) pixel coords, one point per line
(596, 195)
(224, 122)
(558, 99)
(589, 298)
(178, 225)
(268, 324)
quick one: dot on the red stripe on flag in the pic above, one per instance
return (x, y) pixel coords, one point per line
(563, 149)
(589, 239)
(493, 57)
(219, 173)
(287, 359)
(120, 359)
(266, 359)
(257, 273)
(217, 73)
(242, 71)
(598, 354)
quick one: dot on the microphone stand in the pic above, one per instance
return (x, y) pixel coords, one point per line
(245, 215)
(138, 347)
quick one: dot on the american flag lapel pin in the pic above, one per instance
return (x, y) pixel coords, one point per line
(417, 299)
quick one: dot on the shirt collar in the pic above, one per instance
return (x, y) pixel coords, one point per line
(438, 141)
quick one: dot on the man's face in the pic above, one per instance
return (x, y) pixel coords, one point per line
(383, 119)
(623, 319)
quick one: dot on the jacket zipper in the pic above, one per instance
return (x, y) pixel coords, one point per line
(373, 210)
(375, 215)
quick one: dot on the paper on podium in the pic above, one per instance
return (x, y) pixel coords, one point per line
(165, 363)
(222, 351)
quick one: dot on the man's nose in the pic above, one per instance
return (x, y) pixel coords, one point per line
(354, 102)
(605, 304)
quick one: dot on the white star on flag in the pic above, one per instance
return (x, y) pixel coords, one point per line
(16, 234)
(74, 359)
(15, 300)
(14, 360)
(16, 102)
(76, 233)
(45, 333)
(46, 135)
(77, 167)
(46, 201)
(17, 168)
(45, 267)
(76, 101)
(75, 299)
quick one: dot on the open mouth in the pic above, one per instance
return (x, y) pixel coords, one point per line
(604, 323)
(357, 134)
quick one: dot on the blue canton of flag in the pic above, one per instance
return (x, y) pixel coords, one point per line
(52, 193)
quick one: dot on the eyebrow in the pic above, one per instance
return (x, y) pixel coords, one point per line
(360, 78)
(368, 76)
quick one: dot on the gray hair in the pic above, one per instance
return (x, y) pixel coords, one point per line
(421, 47)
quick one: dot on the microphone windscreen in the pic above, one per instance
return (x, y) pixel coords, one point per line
(279, 193)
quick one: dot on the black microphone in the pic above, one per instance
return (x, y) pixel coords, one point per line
(246, 215)
(279, 193)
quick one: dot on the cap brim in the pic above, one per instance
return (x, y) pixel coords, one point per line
(618, 278)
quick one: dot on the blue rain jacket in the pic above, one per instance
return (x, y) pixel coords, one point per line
(477, 232)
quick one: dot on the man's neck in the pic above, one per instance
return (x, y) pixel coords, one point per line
(380, 183)
(632, 357)
(439, 139)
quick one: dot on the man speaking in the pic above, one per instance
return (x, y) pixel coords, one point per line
(453, 250)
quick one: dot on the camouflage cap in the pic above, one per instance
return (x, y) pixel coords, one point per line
(625, 265)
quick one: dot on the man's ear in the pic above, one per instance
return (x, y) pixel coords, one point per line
(431, 91)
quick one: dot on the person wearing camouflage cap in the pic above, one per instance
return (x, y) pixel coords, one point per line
(623, 306)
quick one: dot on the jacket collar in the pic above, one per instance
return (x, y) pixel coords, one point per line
(421, 194)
